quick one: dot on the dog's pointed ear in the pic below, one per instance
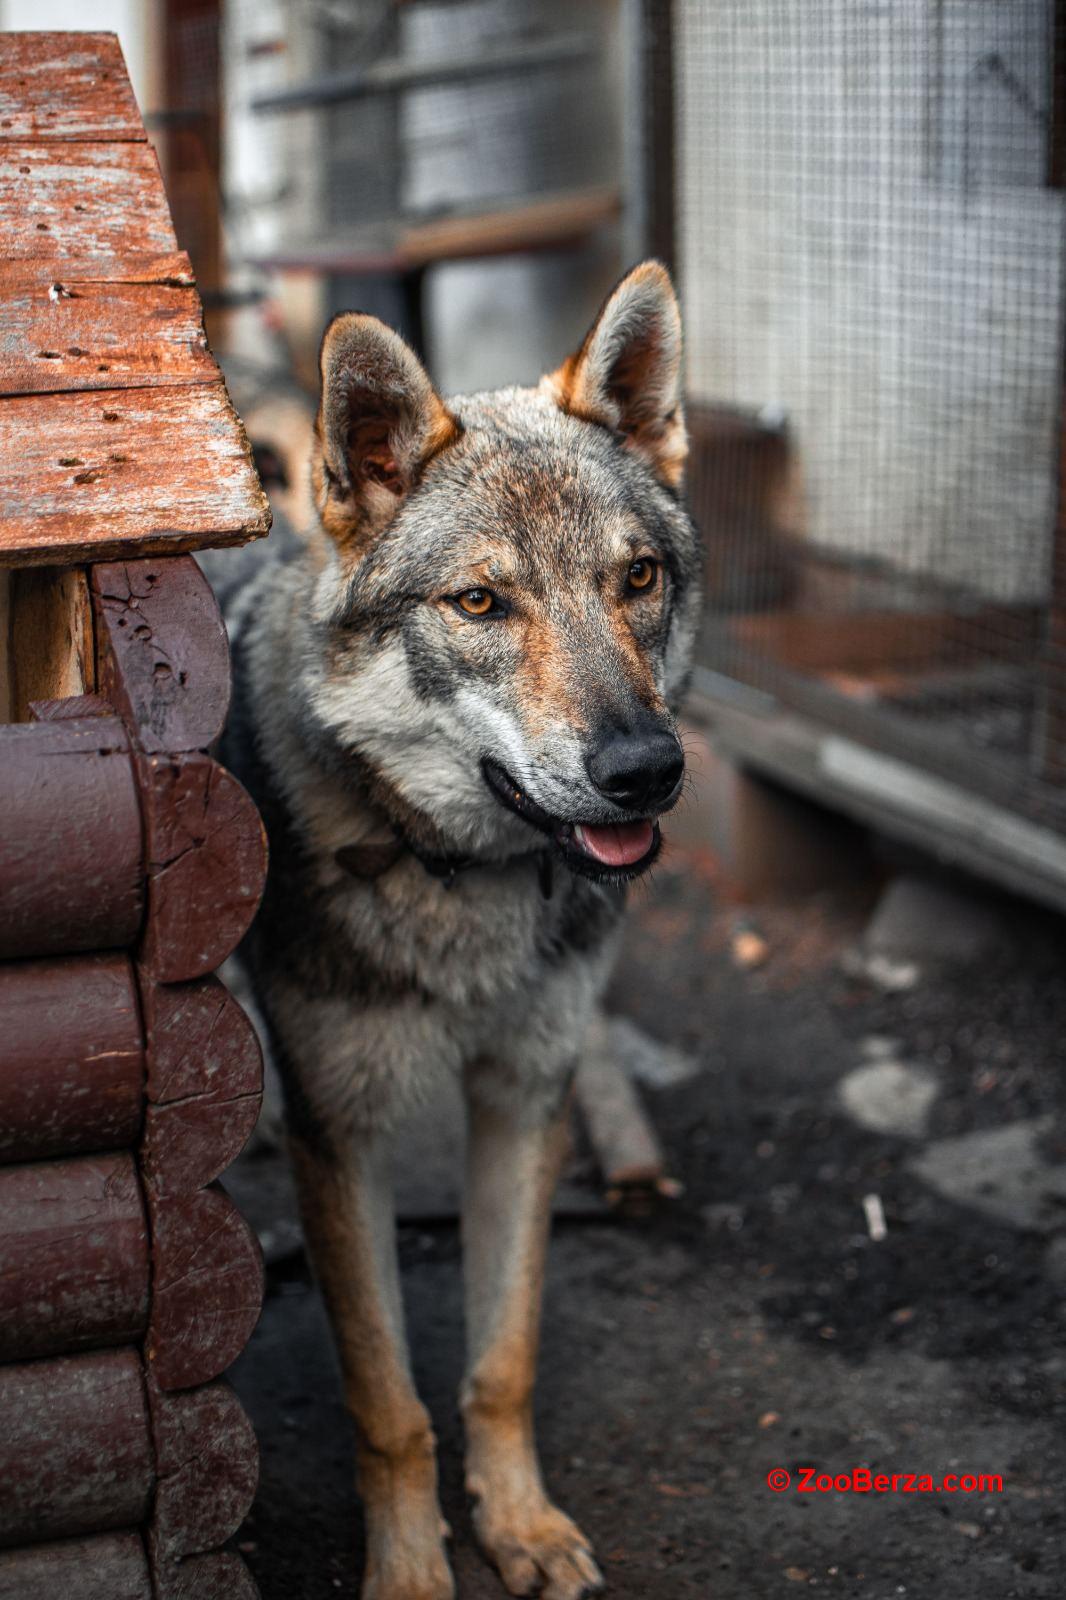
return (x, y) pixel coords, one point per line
(380, 422)
(627, 374)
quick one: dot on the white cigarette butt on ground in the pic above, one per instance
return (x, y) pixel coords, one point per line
(876, 1226)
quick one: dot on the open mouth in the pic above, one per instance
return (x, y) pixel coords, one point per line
(602, 850)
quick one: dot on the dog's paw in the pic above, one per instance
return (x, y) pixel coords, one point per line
(426, 1579)
(538, 1550)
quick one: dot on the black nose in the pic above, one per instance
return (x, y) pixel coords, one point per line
(637, 771)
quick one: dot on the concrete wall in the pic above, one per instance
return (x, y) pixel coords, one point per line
(867, 243)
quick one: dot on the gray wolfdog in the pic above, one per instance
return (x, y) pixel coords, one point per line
(456, 713)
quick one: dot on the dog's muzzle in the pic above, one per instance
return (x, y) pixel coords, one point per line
(606, 851)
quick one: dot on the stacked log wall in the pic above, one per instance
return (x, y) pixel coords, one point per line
(131, 865)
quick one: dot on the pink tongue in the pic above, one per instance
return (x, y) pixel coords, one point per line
(617, 845)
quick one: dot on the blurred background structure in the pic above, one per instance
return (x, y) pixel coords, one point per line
(863, 205)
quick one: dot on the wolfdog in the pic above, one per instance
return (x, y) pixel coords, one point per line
(456, 712)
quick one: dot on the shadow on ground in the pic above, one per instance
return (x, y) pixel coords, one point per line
(753, 1323)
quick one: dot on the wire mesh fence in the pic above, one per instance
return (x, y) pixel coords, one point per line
(870, 244)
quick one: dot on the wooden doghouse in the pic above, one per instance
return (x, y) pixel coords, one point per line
(131, 864)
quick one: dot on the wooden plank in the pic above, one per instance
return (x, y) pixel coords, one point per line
(51, 637)
(73, 1256)
(549, 222)
(75, 1447)
(71, 851)
(205, 1083)
(207, 1287)
(71, 1057)
(111, 1566)
(140, 472)
(67, 273)
(163, 652)
(65, 86)
(90, 335)
(206, 852)
(82, 201)
(859, 641)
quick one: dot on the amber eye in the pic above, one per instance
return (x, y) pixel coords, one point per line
(476, 602)
(642, 574)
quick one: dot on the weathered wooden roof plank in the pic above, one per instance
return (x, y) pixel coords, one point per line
(65, 86)
(94, 476)
(117, 437)
(82, 200)
(62, 336)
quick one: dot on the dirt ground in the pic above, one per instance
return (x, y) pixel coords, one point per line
(752, 1323)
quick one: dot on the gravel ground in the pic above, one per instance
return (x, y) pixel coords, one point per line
(752, 1323)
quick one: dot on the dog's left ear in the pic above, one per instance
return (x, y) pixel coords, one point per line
(627, 374)
(380, 423)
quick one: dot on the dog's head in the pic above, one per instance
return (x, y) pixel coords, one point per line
(509, 603)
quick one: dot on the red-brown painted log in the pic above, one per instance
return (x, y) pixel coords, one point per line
(73, 1256)
(71, 850)
(71, 1057)
(206, 865)
(207, 1287)
(162, 654)
(218, 1577)
(75, 1447)
(205, 1083)
(208, 1467)
(111, 1566)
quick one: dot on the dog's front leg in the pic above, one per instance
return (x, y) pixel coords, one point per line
(346, 1203)
(512, 1165)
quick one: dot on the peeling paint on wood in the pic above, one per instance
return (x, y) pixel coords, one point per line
(82, 201)
(96, 300)
(65, 86)
(60, 276)
(101, 336)
(145, 471)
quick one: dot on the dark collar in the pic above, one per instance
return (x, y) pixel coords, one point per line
(369, 861)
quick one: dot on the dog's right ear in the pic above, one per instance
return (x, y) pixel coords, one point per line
(380, 422)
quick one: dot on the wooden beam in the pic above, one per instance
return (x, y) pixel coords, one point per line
(136, 472)
(50, 637)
